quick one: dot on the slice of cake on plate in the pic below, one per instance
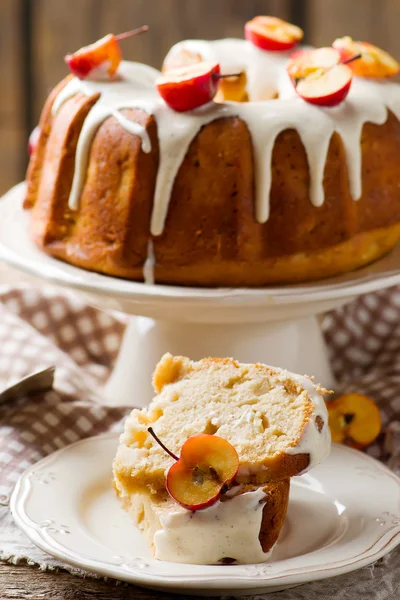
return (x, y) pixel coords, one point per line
(205, 470)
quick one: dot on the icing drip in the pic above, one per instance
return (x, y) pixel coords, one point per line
(148, 267)
(227, 529)
(135, 129)
(368, 101)
(315, 443)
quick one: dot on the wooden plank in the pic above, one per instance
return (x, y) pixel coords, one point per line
(58, 28)
(329, 19)
(12, 144)
(175, 20)
(368, 20)
(25, 582)
(385, 22)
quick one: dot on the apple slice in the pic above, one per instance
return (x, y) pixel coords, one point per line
(319, 77)
(354, 419)
(373, 62)
(205, 469)
(273, 34)
(187, 88)
(33, 140)
(326, 88)
(101, 59)
(306, 62)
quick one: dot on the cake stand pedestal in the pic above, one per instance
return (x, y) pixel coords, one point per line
(278, 326)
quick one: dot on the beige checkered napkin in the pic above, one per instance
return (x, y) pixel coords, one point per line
(39, 328)
(364, 345)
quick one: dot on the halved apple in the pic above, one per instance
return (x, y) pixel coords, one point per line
(207, 465)
(354, 419)
(374, 62)
(273, 34)
(187, 88)
(328, 88)
(318, 76)
(101, 59)
(306, 62)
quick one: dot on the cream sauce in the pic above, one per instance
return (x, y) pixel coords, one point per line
(315, 443)
(227, 529)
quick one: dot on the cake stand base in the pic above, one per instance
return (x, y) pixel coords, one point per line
(297, 345)
(275, 325)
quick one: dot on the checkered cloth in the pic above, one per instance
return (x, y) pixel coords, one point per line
(42, 327)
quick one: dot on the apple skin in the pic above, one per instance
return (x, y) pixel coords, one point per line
(379, 63)
(362, 428)
(329, 99)
(256, 32)
(99, 60)
(179, 470)
(208, 464)
(305, 62)
(319, 77)
(187, 88)
(33, 140)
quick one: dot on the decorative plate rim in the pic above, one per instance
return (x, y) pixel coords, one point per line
(257, 577)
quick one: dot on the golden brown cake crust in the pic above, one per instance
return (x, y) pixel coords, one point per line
(211, 236)
(274, 513)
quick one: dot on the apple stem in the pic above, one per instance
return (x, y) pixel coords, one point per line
(151, 432)
(349, 60)
(344, 62)
(225, 76)
(128, 34)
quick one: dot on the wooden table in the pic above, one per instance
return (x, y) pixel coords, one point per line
(23, 582)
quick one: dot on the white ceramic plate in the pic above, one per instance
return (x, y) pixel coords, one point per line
(342, 516)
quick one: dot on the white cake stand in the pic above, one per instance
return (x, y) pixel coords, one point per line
(278, 326)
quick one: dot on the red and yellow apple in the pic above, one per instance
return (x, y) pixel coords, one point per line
(101, 59)
(319, 77)
(205, 469)
(187, 88)
(373, 61)
(354, 420)
(273, 34)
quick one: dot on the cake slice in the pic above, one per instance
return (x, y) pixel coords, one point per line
(276, 421)
(277, 427)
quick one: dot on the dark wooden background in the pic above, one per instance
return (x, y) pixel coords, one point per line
(36, 34)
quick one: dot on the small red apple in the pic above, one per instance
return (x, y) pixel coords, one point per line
(354, 419)
(373, 61)
(319, 77)
(101, 59)
(273, 34)
(306, 62)
(189, 87)
(33, 140)
(206, 467)
(328, 88)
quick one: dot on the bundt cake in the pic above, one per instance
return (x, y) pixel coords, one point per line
(275, 423)
(263, 190)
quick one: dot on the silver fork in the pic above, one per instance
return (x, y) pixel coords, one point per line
(40, 381)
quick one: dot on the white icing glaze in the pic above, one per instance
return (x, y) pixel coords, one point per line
(227, 529)
(315, 443)
(367, 101)
(148, 267)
